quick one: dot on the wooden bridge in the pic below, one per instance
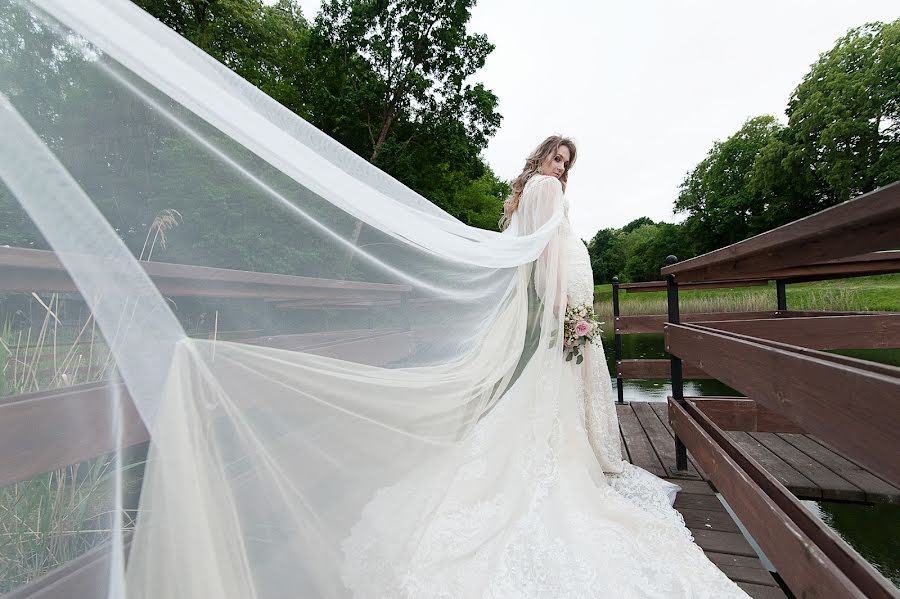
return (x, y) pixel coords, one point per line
(810, 424)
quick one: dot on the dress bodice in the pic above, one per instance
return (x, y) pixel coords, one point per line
(579, 276)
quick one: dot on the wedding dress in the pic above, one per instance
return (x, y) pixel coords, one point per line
(537, 501)
(400, 424)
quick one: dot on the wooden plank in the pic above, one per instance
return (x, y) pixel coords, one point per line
(752, 575)
(708, 520)
(662, 412)
(757, 591)
(639, 448)
(854, 266)
(23, 269)
(722, 542)
(653, 323)
(694, 487)
(660, 439)
(876, 490)
(811, 557)
(698, 502)
(644, 287)
(655, 369)
(84, 577)
(832, 486)
(870, 331)
(781, 470)
(863, 422)
(868, 223)
(743, 414)
(46, 430)
(738, 561)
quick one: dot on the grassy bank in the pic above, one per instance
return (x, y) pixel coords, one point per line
(879, 293)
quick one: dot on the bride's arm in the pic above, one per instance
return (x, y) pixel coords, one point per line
(541, 203)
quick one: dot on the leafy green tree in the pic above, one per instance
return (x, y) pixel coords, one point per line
(717, 195)
(845, 115)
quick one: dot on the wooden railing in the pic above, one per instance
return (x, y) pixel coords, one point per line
(52, 429)
(777, 362)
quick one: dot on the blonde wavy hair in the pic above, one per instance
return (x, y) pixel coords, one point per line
(548, 147)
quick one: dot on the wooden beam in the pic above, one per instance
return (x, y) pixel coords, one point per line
(650, 286)
(85, 577)
(874, 263)
(653, 323)
(868, 223)
(655, 369)
(812, 558)
(743, 414)
(25, 270)
(852, 404)
(871, 331)
(46, 430)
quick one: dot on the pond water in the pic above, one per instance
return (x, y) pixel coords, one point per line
(873, 530)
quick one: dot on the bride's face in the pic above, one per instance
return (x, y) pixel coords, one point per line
(556, 163)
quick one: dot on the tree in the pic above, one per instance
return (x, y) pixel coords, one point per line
(845, 115)
(717, 195)
(421, 57)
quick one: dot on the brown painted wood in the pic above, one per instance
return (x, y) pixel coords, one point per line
(757, 591)
(743, 414)
(662, 412)
(853, 404)
(752, 575)
(876, 490)
(85, 577)
(722, 542)
(805, 567)
(708, 520)
(661, 285)
(698, 502)
(46, 430)
(832, 486)
(783, 472)
(663, 443)
(871, 331)
(694, 487)
(639, 448)
(799, 544)
(653, 323)
(854, 266)
(868, 223)
(25, 270)
(655, 369)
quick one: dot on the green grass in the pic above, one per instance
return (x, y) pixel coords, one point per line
(876, 293)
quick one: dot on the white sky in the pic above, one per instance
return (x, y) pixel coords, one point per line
(644, 87)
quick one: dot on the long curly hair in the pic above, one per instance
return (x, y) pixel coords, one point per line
(548, 147)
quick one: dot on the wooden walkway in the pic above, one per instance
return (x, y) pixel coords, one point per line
(800, 462)
(805, 465)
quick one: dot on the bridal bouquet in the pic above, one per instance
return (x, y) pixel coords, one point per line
(580, 327)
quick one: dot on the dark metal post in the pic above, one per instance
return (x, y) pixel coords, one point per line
(782, 295)
(677, 378)
(620, 391)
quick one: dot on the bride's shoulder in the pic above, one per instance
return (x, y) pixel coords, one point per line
(543, 181)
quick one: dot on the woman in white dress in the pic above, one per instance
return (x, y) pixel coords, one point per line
(537, 500)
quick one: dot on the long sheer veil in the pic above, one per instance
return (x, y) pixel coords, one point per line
(179, 266)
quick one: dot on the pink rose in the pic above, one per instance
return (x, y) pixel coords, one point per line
(582, 328)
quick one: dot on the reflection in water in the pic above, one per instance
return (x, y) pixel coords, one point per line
(873, 530)
(652, 346)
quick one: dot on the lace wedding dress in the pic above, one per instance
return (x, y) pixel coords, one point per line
(537, 501)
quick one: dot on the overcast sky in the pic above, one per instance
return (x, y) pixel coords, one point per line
(644, 87)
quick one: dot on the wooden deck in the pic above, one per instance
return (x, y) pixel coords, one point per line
(805, 465)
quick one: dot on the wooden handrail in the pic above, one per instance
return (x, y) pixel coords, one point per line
(868, 223)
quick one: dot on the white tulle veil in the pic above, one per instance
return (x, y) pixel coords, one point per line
(201, 236)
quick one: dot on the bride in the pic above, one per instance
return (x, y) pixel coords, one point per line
(536, 501)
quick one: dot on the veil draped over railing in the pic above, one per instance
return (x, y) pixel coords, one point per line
(179, 266)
